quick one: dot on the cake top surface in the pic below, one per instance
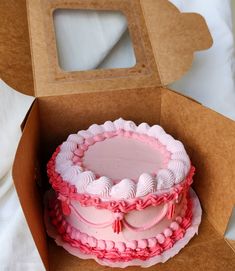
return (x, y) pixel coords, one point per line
(120, 160)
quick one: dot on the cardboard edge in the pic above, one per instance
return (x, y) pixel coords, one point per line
(231, 243)
(174, 39)
(23, 174)
(23, 123)
(30, 45)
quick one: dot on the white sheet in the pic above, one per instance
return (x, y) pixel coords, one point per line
(210, 81)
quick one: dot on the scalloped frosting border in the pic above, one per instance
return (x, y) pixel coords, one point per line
(67, 192)
(69, 163)
(119, 251)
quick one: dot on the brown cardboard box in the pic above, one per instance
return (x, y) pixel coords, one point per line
(164, 41)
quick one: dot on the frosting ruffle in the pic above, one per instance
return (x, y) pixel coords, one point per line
(144, 252)
(78, 192)
(68, 163)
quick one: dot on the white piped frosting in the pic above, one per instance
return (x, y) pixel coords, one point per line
(143, 128)
(85, 134)
(101, 187)
(124, 189)
(155, 131)
(181, 156)
(68, 146)
(175, 169)
(63, 166)
(75, 138)
(165, 179)
(130, 126)
(63, 156)
(83, 180)
(146, 184)
(119, 123)
(178, 168)
(71, 172)
(109, 126)
(95, 129)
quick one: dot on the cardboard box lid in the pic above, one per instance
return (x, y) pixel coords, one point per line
(164, 41)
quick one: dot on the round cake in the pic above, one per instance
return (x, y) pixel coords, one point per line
(122, 195)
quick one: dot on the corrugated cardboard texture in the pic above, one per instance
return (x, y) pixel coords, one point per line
(210, 141)
(175, 37)
(24, 175)
(15, 63)
(51, 80)
(207, 251)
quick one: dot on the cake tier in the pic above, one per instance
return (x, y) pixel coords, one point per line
(119, 160)
(107, 245)
(121, 191)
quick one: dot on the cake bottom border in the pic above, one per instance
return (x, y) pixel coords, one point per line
(163, 257)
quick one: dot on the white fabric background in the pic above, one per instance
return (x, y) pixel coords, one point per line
(210, 81)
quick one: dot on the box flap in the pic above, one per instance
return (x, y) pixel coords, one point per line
(174, 37)
(15, 64)
(210, 142)
(163, 39)
(206, 251)
(24, 176)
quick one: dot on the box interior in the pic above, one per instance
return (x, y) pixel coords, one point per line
(68, 102)
(50, 122)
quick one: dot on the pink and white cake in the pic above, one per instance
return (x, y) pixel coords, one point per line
(122, 195)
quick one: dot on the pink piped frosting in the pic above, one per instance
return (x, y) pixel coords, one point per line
(120, 251)
(69, 161)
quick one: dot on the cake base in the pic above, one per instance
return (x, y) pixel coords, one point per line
(190, 232)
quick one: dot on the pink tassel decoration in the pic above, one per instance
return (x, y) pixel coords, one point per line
(64, 205)
(171, 210)
(117, 223)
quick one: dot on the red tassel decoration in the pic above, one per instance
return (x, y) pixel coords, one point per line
(64, 204)
(65, 208)
(171, 210)
(117, 223)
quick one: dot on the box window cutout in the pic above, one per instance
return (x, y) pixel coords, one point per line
(88, 40)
